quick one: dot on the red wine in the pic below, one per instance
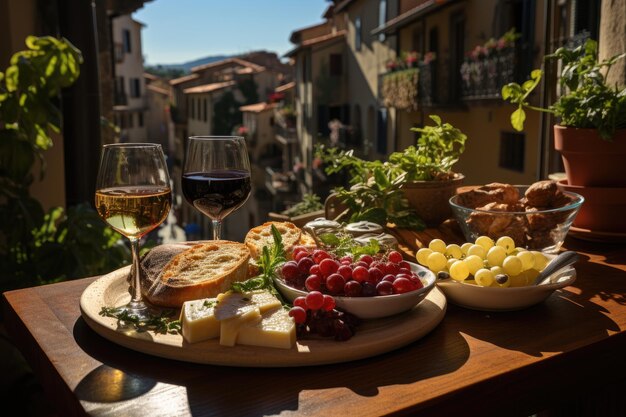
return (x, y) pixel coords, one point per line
(217, 193)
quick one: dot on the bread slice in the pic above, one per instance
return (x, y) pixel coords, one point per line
(204, 271)
(262, 236)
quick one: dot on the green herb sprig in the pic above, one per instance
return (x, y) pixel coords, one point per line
(344, 244)
(161, 324)
(270, 258)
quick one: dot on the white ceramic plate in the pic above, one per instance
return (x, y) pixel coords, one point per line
(504, 299)
(373, 307)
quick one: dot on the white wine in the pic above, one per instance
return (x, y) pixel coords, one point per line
(134, 211)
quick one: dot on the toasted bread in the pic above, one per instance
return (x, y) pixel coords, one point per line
(203, 271)
(262, 236)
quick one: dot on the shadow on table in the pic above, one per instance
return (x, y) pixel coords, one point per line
(214, 389)
(558, 322)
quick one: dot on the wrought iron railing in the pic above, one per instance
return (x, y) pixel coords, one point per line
(483, 78)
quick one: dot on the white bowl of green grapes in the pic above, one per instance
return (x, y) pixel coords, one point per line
(491, 275)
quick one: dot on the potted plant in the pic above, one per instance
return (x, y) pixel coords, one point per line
(591, 133)
(411, 189)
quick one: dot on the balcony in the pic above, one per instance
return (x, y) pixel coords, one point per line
(399, 89)
(483, 78)
(120, 98)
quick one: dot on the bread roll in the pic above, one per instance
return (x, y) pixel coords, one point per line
(262, 236)
(203, 271)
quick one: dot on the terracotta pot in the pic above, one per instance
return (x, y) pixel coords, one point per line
(430, 198)
(589, 160)
(603, 209)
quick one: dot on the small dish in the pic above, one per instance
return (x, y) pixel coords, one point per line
(373, 307)
(504, 299)
(542, 230)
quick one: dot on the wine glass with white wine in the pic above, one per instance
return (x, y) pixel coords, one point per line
(133, 196)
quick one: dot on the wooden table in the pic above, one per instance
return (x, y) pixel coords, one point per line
(569, 349)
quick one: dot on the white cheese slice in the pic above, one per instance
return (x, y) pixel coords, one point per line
(276, 329)
(223, 316)
(229, 328)
(198, 320)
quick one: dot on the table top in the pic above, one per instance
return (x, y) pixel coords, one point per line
(472, 363)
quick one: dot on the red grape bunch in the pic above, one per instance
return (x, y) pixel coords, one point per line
(316, 314)
(366, 276)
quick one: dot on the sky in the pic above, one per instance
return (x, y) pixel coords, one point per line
(183, 30)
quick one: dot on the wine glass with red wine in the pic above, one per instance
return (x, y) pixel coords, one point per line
(216, 176)
(133, 196)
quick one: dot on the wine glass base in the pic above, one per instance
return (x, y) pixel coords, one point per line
(138, 309)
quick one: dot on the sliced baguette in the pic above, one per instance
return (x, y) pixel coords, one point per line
(204, 271)
(262, 236)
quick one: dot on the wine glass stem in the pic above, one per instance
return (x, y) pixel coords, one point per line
(217, 229)
(135, 283)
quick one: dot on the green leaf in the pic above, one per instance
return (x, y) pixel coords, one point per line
(436, 119)
(536, 74)
(329, 239)
(12, 78)
(517, 119)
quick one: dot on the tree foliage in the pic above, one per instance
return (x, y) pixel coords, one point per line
(38, 247)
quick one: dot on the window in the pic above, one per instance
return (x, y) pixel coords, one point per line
(192, 113)
(140, 119)
(126, 40)
(336, 65)
(135, 88)
(357, 33)
(512, 151)
(204, 110)
(129, 117)
(382, 18)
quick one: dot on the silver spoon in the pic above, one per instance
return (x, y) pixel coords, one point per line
(565, 259)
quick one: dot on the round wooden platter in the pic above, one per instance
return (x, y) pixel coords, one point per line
(373, 337)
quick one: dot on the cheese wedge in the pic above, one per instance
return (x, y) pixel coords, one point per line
(198, 320)
(225, 315)
(276, 329)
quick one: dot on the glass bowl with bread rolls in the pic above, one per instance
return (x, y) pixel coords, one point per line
(536, 217)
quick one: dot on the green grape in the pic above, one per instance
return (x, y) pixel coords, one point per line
(459, 270)
(512, 265)
(484, 277)
(497, 270)
(541, 261)
(477, 250)
(437, 245)
(519, 280)
(465, 247)
(474, 263)
(531, 275)
(454, 251)
(436, 262)
(507, 243)
(519, 249)
(528, 260)
(422, 255)
(450, 262)
(496, 255)
(485, 241)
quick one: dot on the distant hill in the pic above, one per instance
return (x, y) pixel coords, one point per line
(177, 70)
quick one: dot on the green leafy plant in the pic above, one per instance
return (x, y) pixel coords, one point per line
(376, 193)
(309, 204)
(587, 101)
(38, 247)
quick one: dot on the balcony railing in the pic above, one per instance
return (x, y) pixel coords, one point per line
(483, 78)
(427, 84)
